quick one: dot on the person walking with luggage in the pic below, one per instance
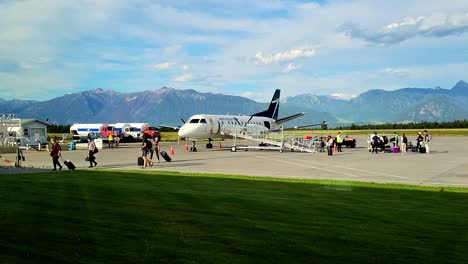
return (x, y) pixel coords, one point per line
(427, 138)
(144, 151)
(156, 145)
(55, 153)
(404, 143)
(339, 141)
(92, 150)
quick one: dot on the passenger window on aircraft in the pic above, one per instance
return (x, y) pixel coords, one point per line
(194, 121)
(202, 121)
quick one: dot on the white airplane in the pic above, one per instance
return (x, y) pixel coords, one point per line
(203, 126)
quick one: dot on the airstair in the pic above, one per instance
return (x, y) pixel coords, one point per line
(8, 122)
(268, 139)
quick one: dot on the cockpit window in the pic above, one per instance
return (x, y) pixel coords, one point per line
(194, 121)
(203, 121)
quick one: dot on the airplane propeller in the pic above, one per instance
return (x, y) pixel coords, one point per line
(237, 120)
(246, 123)
(249, 119)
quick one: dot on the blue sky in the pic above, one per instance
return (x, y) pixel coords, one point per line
(248, 48)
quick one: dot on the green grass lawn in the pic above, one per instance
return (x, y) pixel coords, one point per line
(143, 217)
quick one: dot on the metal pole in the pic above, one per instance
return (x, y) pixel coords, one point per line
(18, 158)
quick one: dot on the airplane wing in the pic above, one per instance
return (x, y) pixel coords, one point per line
(289, 118)
(323, 124)
(173, 127)
(308, 125)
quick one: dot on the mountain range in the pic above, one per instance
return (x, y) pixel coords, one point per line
(168, 105)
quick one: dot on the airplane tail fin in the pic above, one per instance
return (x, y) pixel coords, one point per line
(273, 109)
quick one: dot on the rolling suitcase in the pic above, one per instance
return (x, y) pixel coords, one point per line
(69, 165)
(414, 149)
(165, 156)
(422, 150)
(140, 161)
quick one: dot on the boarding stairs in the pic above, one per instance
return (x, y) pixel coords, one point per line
(7, 123)
(268, 139)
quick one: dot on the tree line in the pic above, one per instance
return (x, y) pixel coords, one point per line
(64, 129)
(412, 125)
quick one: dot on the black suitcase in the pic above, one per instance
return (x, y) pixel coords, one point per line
(165, 156)
(69, 165)
(422, 150)
(140, 161)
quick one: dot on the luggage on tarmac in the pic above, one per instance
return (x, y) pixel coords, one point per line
(69, 165)
(140, 161)
(414, 149)
(165, 156)
(422, 150)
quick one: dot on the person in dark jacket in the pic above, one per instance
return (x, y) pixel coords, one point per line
(375, 143)
(55, 153)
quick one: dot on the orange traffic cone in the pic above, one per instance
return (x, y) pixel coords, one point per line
(172, 151)
(220, 145)
(334, 148)
(186, 147)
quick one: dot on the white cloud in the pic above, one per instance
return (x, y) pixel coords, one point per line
(397, 72)
(163, 66)
(185, 67)
(435, 25)
(342, 96)
(174, 49)
(292, 67)
(183, 78)
(265, 59)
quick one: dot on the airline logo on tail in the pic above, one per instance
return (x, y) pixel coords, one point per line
(273, 109)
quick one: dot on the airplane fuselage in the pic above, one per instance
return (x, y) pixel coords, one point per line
(211, 126)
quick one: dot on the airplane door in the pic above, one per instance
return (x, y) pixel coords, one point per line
(267, 124)
(214, 126)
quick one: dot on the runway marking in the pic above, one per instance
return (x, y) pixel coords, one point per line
(368, 171)
(445, 172)
(312, 167)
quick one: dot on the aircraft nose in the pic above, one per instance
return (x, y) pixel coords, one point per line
(183, 131)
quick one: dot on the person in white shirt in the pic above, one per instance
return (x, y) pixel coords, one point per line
(404, 142)
(92, 150)
(427, 138)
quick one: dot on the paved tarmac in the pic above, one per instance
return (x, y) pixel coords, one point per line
(447, 165)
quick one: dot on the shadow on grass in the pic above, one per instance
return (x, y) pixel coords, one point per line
(148, 217)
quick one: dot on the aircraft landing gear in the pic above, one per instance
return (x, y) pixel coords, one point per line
(209, 145)
(193, 148)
